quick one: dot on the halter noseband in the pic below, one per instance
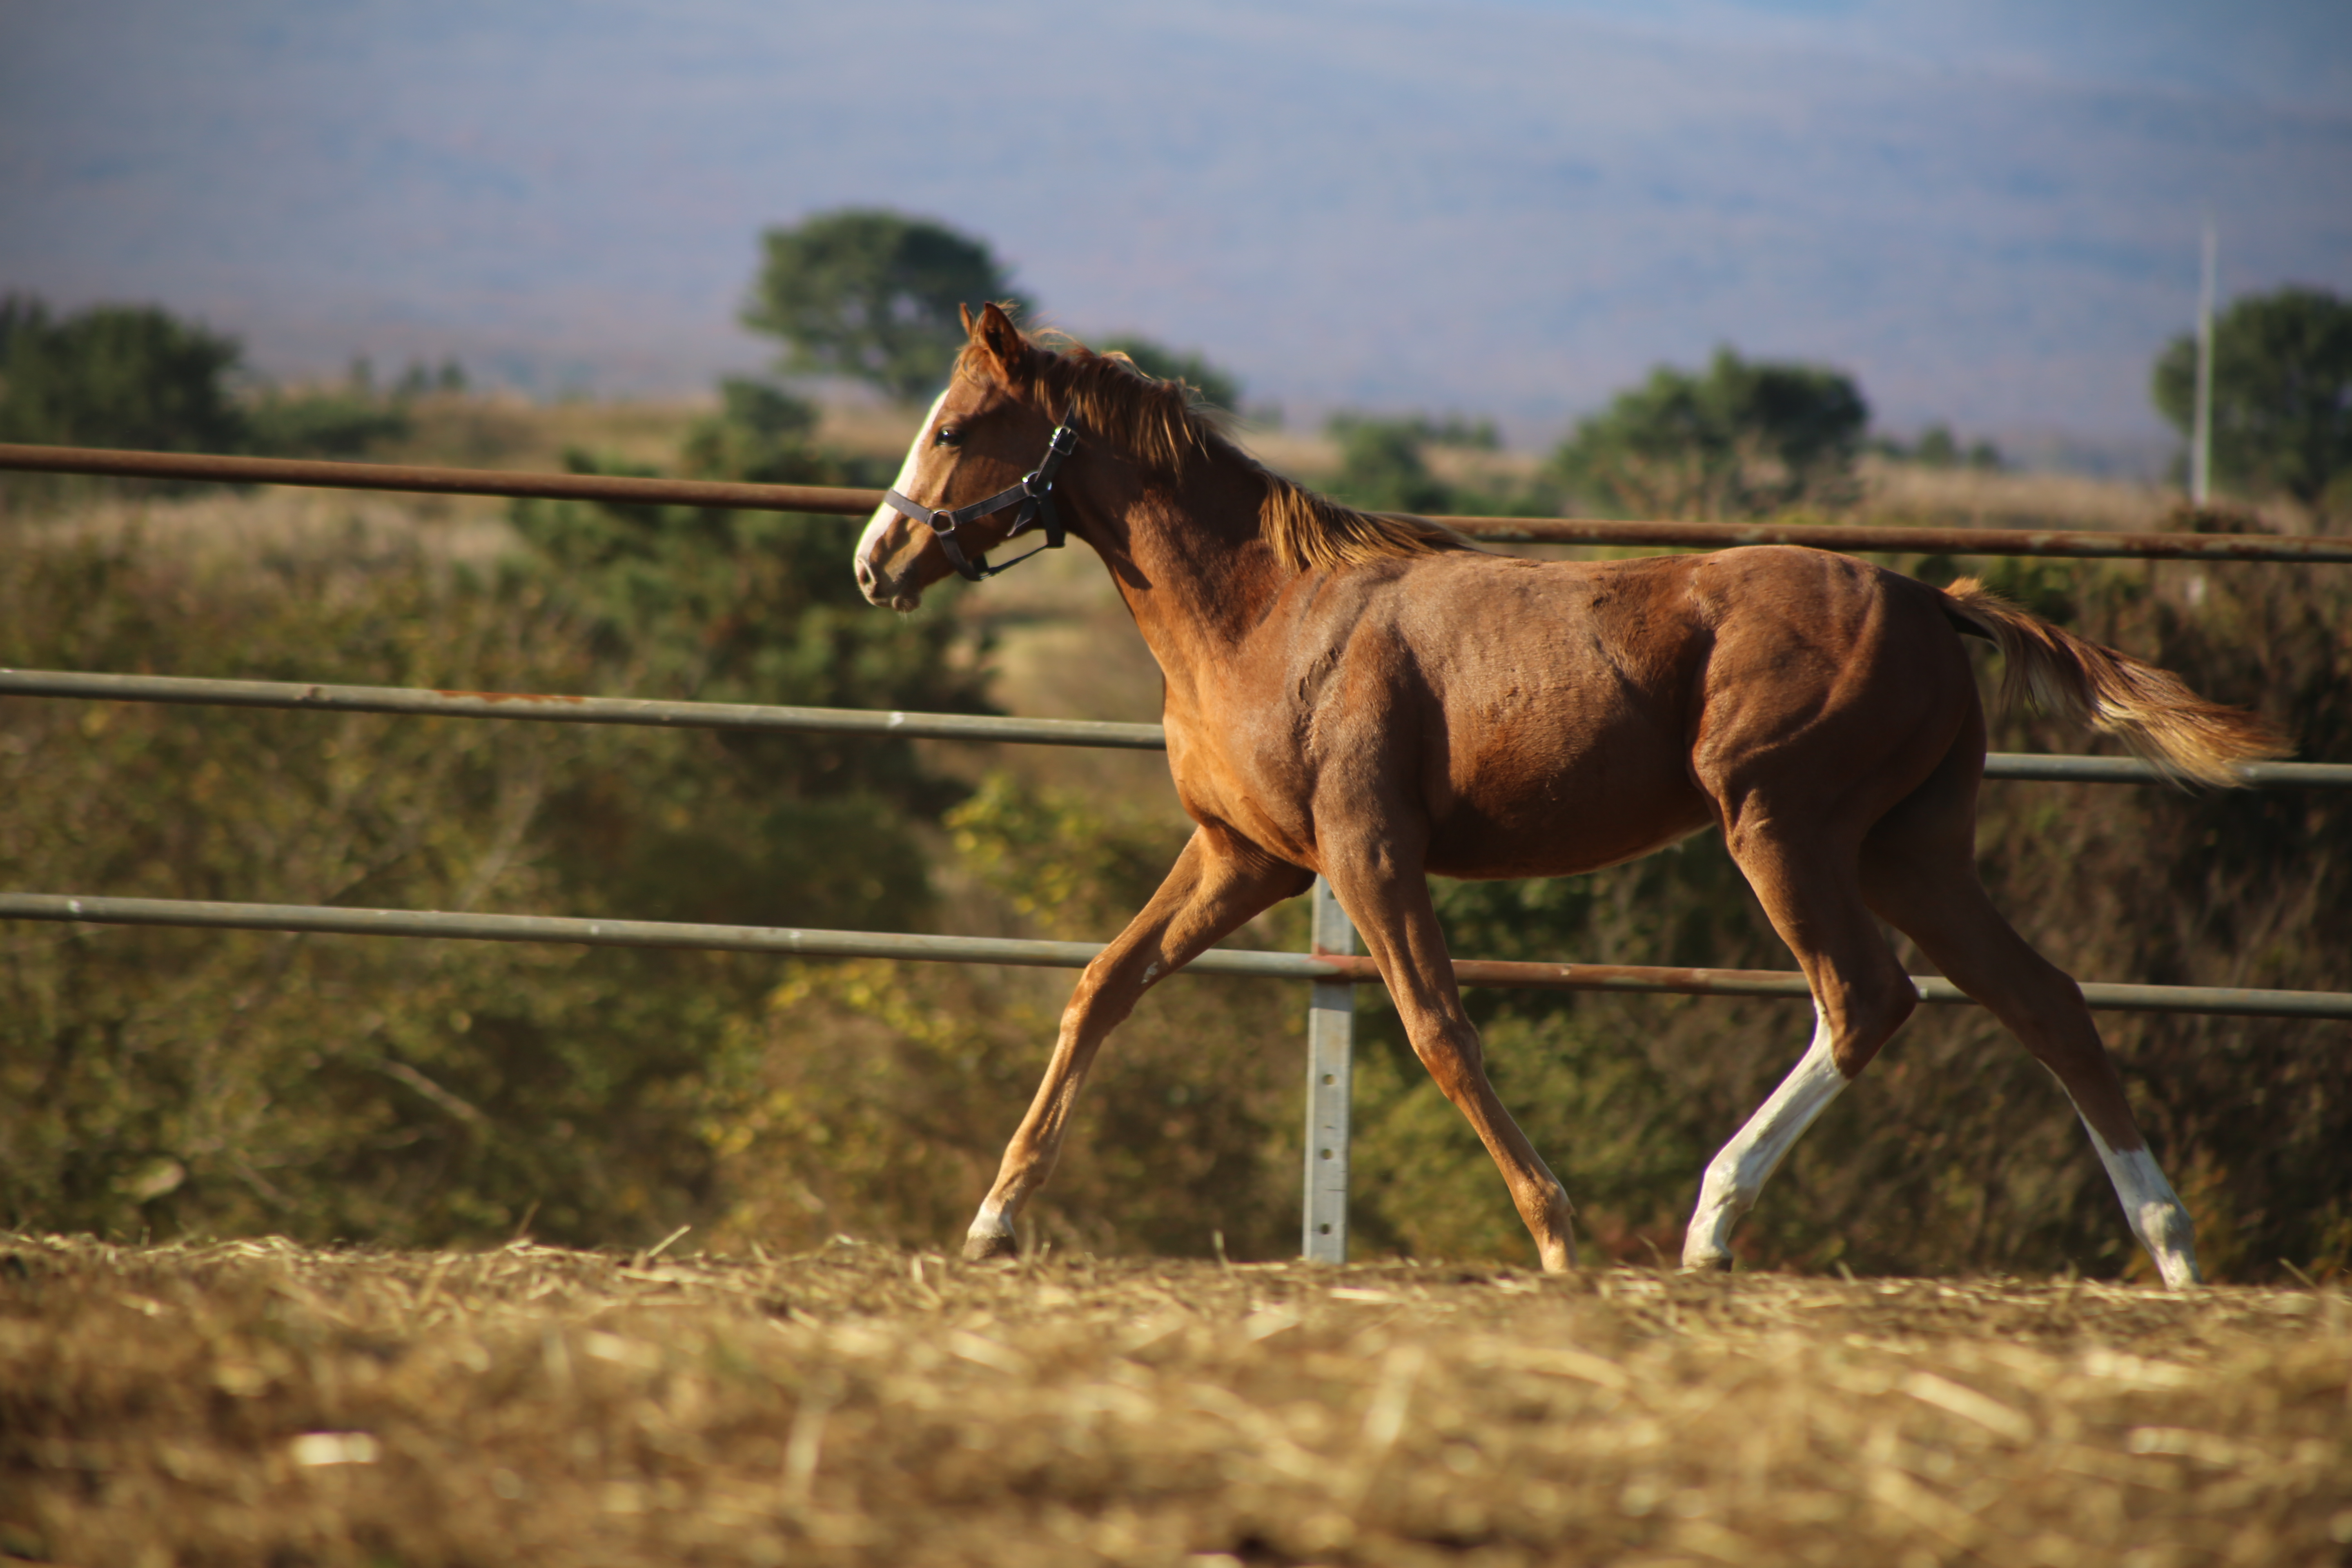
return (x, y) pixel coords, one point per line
(1034, 494)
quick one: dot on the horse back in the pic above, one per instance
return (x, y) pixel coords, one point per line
(1536, 719)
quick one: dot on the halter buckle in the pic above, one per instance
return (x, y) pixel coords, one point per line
(1034, 494)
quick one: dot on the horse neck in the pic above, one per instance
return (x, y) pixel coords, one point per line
(1188, 555)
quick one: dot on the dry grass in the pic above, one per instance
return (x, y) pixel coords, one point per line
(869, 429)
(218, 526)
(215, 525)
(251, 1402)
(1897, 492)
(224, 529)
(508, 432)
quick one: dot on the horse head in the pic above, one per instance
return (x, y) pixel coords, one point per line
(981, 470)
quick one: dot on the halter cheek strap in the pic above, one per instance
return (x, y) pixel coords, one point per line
(1034, 494)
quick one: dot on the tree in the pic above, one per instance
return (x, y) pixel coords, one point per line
(1744, 439)
(137, 377)
(1382, 468)
(1214, 384)
(2282, 393)
(1385, 467)
(873, 295)
(759, 434)
(116, 376)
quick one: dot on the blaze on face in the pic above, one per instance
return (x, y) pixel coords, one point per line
(977, 440)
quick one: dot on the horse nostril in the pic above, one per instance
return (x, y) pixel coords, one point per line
(865, 573)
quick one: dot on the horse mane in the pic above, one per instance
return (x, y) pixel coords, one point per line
(1164, 425)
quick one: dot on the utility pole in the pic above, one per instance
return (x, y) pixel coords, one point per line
(2201, 429)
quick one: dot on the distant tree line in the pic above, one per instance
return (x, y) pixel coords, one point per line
(872, 296)
(137, 377)
(1938, 447)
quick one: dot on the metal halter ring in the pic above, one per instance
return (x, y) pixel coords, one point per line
(1034, 494)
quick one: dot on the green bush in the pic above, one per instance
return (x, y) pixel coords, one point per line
(122, 376)
(426, 1092)
(1385, 467)
(1743, 439)
(1188, 1135)
(349, 421)
(136, 377)
(759, 434)
(115, 375)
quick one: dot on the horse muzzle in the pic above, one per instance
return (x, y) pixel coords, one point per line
(891, 586)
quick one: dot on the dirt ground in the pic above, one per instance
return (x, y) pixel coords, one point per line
(252, 1402)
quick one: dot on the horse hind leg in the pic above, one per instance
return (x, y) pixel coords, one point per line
(1737, 1175)
(1861, 997)
(1919, 872)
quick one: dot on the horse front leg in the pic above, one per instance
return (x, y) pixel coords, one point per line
(1217, 883)
(1386, 893)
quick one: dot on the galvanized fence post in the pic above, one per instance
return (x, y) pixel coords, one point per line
(1331, 1042)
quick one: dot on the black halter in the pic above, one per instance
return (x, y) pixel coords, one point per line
(1034, 495)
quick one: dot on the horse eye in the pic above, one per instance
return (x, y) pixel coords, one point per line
(949, 435)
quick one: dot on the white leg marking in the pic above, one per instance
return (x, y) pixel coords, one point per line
(1737, 1175)
(990, 1224)
(885, 515)
(2157, 1214)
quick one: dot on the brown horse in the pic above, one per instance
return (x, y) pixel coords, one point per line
(1372, 698)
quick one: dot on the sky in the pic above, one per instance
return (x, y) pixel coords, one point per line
(1988, 213)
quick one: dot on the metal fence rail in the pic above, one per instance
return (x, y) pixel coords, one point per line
(846, 502)
(1321, 968)
(1879, 539)
(744, 716)
(423, 703)
(425, 479)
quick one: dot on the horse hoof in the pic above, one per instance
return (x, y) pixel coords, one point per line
(999, 1248)
(1710, 1263)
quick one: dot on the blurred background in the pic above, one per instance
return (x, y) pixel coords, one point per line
(1885, 261)
(1987, 213)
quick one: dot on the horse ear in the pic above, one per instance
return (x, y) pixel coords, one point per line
(993, 334)
(965, 311)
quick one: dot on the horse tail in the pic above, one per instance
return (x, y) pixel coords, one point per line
(2151, 710)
